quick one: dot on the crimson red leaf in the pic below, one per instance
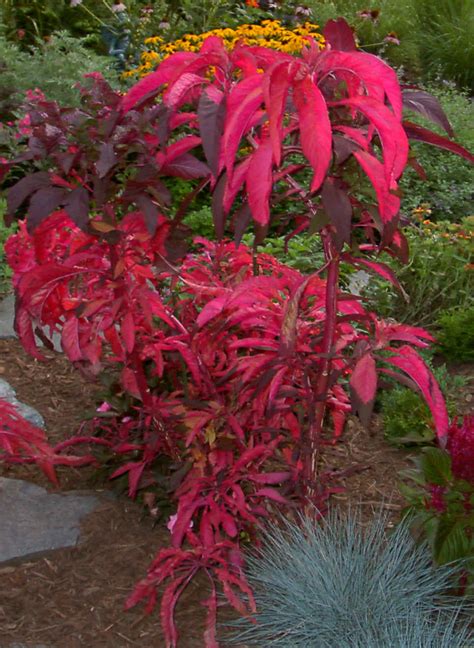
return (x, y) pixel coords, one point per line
(211, 309)
(168, 603)
(339, 35)
(234, 184)
(389, 204)
(243, 101)
(129, 383)
(392, 135)
(424, 135)
(127, 330)
(176, 92)
(259, 182)
(178, 148)
(273, 494)
(153, 82)
(408, 360)
(70, 339)
(363, 386)
(381, 269)
(275, 91)
(24, 329)
(315, 127)
(377, 78)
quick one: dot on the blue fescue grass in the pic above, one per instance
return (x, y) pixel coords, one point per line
(332, 584)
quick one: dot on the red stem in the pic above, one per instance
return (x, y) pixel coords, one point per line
(313, 446)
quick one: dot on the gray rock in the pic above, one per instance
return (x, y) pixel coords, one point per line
(7, 315)
(35, 522)
(29, 413)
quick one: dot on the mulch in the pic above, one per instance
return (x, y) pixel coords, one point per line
(75, 597)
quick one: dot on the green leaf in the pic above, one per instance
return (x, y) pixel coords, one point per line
(436, 466)
(451, 541)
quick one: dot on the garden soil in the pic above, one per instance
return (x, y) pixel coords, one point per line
(75, 597)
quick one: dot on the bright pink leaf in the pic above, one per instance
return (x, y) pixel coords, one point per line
(155, 80)
(259, 182)
(389, 204)
(363, 384)
(315, 128)
(408, 360)
(242, 103)
(70, 339)
(127, 330)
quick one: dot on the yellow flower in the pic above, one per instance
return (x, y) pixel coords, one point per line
(270, 33)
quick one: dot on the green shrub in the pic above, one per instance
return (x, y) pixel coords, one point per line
(5, 270)
(455, 334)
(448, 189)
(399, 18)
(447, 47)
(437, 277)
(321, 584)
(435, 37)
(54, 67)
(406, 418)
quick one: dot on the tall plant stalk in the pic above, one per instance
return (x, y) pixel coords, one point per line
(313, 442)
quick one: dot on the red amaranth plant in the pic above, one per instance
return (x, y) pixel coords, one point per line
(461, 448)
(229, 363)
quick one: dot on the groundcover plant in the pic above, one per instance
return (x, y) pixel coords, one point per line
(225, 366)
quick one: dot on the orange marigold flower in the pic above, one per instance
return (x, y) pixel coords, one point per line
(252, 3)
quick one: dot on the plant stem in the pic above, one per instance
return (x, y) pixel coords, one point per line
(313, 445)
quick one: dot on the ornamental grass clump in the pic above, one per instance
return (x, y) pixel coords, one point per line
(320, 584)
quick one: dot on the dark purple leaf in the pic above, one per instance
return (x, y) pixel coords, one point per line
(106, 160)
(343, 148)
(77, 206)
(149, 211)
(427, 105)
(37, 147)
(24, 188)
(241, 220)
(211, 124)
(218, 214)
(186, 166)
(43, 203)
(338, 207)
